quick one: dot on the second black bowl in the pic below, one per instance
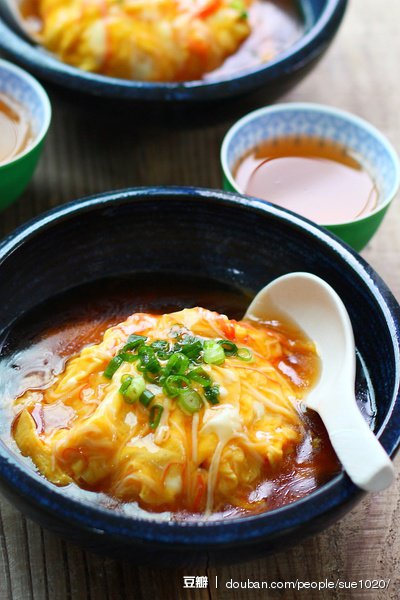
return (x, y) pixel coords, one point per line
(322, 19)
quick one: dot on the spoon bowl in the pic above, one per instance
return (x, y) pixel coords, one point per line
(318, 310)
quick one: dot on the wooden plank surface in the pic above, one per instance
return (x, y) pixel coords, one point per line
(87, 153)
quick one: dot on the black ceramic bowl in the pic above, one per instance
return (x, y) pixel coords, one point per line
(322, 19)
(225, 237)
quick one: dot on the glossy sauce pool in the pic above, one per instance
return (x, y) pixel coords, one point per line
(39, 344)
(15, 128)
(318, 179)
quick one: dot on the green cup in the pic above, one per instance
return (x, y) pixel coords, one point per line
(372, 150)
(15, 174)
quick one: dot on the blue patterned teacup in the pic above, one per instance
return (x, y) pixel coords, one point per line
(372, 150)
(16, 173)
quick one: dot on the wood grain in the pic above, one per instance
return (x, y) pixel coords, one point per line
(87, 152)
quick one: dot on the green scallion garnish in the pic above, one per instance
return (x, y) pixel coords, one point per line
(128, 356)
(190, 402)
(153, 366)
(199, 376)
(230, 348)
(177, 364)
(213, 353)
(125, 383)
(175, 385)
(241, 7)
(134, 341)
(136, 387)
(152, 377)
(146, 397)
(192, 349)
(211, 393)
(155, 415)
(177, 376)
(112, 366)
(245, 354)
(146, 354)
(159, 345)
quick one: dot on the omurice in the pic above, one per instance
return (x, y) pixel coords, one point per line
(164, 40)
(187, 412)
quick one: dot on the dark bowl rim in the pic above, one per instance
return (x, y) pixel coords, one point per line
(310, 45)
(244, 530)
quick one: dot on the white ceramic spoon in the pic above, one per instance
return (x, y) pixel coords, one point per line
(11, 11)
(319, 312)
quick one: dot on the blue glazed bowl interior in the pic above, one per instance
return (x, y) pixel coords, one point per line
(321, 19)
(228, 238)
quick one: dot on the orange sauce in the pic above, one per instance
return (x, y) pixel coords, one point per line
(39, 345)
(318, 179)
(15, 128)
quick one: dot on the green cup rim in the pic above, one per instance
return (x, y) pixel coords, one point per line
(322, 109)
(44, 99)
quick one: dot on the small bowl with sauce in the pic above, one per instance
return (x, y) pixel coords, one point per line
(323, 163)
(25, 115)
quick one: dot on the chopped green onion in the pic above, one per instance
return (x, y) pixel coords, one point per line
(190, 402)
(146, 354)
(230, 348)
(161, 348)
(153, 366)
(212, 393)
(185, 338)
(135, 389)
(155, 415)
(176, 385)
(112, 366)
(134, 341)
(241, 7)
(213, 353)
(200, 376)
(159, 345)
(152, 377)
(128, 356)
(245, 354)
(192, 349)
(146, 397)
(177, 364)
(125, 383)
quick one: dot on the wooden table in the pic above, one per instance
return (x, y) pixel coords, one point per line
(83, 155)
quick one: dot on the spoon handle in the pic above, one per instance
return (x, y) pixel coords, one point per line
(362, 456)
